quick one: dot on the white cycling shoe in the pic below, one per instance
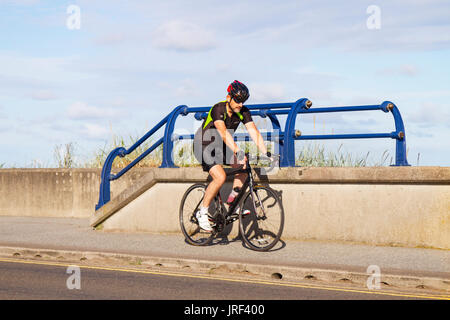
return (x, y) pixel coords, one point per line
(244, 213)
(203, 221)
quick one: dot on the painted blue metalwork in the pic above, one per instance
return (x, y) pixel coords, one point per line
(400, 148)
(263, 113)
(288, 159)
(386, 106)
(105, 194)
(285, 139)
(237, 136)
(106, 176)
(392, 135)
(147, 135)
(276, 127)
(167, 161)
(135, 161)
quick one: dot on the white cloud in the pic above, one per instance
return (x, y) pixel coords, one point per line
(183, 36)
(314, 72)
(407, 70)
(111, 39)
(94, 131)
(425, 94)
(404, 27)
(20, 2)
(187, 88)
(36, 68)
(36, 77)
(267, 92)
(43, 95)
(430, 115)
(83, 111)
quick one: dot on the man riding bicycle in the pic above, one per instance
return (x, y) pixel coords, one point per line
(214, 145)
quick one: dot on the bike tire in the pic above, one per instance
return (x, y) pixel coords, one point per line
(190, 203)
(261, 229)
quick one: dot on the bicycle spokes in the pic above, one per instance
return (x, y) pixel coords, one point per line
(260, 214)
(189, 223)
(262, 228)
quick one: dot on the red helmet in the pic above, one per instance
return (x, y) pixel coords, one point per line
(238, 91)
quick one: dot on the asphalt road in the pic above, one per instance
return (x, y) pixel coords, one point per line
(33, 280)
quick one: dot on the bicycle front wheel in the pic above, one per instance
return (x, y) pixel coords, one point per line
(190, 203)
(261, 218)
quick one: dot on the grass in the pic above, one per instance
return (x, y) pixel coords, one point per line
(64, 155)
(154, 159)
(310, 155)
(316, 155)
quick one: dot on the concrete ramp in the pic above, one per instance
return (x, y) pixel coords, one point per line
(158, 191)
(400, 206)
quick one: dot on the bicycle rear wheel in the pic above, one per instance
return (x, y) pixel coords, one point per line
(262, 227)
(190, 203)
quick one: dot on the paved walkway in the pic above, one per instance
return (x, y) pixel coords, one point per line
(77, 235)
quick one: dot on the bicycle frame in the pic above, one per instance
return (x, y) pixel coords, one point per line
(252, 232)
(248, 183)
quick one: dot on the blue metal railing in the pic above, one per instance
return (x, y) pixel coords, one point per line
(285, 138)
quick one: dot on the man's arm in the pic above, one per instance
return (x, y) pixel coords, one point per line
(256, 136)
(225, 135)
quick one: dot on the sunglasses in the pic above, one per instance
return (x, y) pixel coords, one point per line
(239, 99)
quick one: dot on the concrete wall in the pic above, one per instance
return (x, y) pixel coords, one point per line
(55, 192)
(405, 206)
(410, 215)
(380, 206)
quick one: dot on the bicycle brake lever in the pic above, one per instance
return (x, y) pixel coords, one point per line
(274, 161)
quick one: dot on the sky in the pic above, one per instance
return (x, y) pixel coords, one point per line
(84, 71)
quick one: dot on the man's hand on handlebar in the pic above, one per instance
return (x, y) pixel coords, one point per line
(241, 158)
(274, 158)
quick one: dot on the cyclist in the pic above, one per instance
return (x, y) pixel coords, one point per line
(214, 145)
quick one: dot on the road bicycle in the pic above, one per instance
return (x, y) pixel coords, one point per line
(258, 209)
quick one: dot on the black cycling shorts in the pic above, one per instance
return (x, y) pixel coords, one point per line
(211, 154)
(209, 157)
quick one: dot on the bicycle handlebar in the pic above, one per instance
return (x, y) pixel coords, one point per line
(274, 161)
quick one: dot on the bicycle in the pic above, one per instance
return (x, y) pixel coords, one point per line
(260, 213)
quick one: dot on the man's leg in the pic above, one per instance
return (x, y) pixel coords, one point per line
(219, 177)
(239, 178)
(238, 182)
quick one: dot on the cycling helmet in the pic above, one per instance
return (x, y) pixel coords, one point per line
(238, 91)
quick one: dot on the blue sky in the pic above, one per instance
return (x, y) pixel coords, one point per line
(132, 62)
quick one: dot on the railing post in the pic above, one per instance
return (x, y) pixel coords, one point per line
(277, 128)
(167, 161)
(288, 153)
(400, 143)
(105, 191)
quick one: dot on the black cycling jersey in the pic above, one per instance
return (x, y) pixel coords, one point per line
(207, 133)
(219, 112)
